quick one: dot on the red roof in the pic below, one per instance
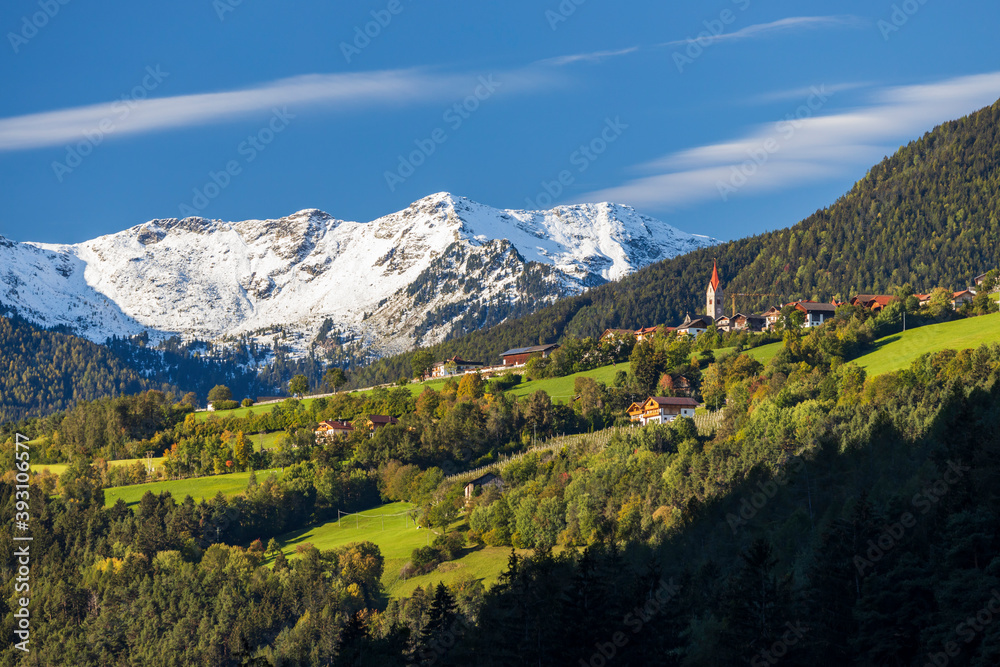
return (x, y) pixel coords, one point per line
(715, 275)
(682, 402)
(337, 425)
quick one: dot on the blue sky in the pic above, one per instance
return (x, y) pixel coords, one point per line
(725, 118)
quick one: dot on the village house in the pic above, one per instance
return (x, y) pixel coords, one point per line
(520, 355)
(816, 313)
(874, 302)
(980, 279)
(375, 422)
(752, 323)
(662, 410)
(694, 327)
(645, 333)
(333, 429)
(487, 480)
(962, 297)
(771, 317)
(616, 333)
(724, 323)
(454, 366)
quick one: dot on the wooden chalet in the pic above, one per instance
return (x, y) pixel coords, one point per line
(771, 317)
(376, 422)
(962, 297)
(333, 428)
(741, 322)
(520, 355)
(662, 409)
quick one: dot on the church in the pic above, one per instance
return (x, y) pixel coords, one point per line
(713, 295)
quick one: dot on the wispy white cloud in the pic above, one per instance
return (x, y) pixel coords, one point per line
(593, 57)
(804, 147)
(803, 92)
(782, 25)
(333, 91)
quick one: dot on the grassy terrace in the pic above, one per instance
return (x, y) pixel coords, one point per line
(898, 351)
(198, 488)
(396, 541)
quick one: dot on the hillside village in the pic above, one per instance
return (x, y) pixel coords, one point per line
(801, 313)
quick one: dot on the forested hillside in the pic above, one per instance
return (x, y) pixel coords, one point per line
(928, 216)
(44, 371)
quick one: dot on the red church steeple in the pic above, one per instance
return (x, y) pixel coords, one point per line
(715, 275)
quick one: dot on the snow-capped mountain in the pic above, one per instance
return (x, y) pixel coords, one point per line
(381, 287)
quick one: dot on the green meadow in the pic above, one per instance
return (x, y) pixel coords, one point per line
(390, 527)
(199, 488)
(898, 351)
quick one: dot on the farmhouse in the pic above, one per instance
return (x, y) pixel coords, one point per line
(964, 296)
(333, 429)
(753, 323)
(816, 313)
(520, 355)
(661, 410)
(376, 422)
(454, 366)
(487, 480)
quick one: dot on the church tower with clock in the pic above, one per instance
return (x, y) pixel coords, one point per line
(713, 295)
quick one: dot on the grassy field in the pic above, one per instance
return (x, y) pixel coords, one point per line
(561, 389)
(198, 488)
(397, 540)
(763, 354)
(59, 468)
(898, 351)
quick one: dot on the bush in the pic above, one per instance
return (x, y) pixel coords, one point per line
(247, 402)
(425, 559)
(225, 405)
(450, 545)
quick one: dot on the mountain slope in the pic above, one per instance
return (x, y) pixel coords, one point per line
(929, 216)
(409, 277)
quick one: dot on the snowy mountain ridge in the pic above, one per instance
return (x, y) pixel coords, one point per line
(382, 287)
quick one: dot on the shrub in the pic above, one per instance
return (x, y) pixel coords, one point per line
(425, 559)
(225, 405)
(450, 545)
